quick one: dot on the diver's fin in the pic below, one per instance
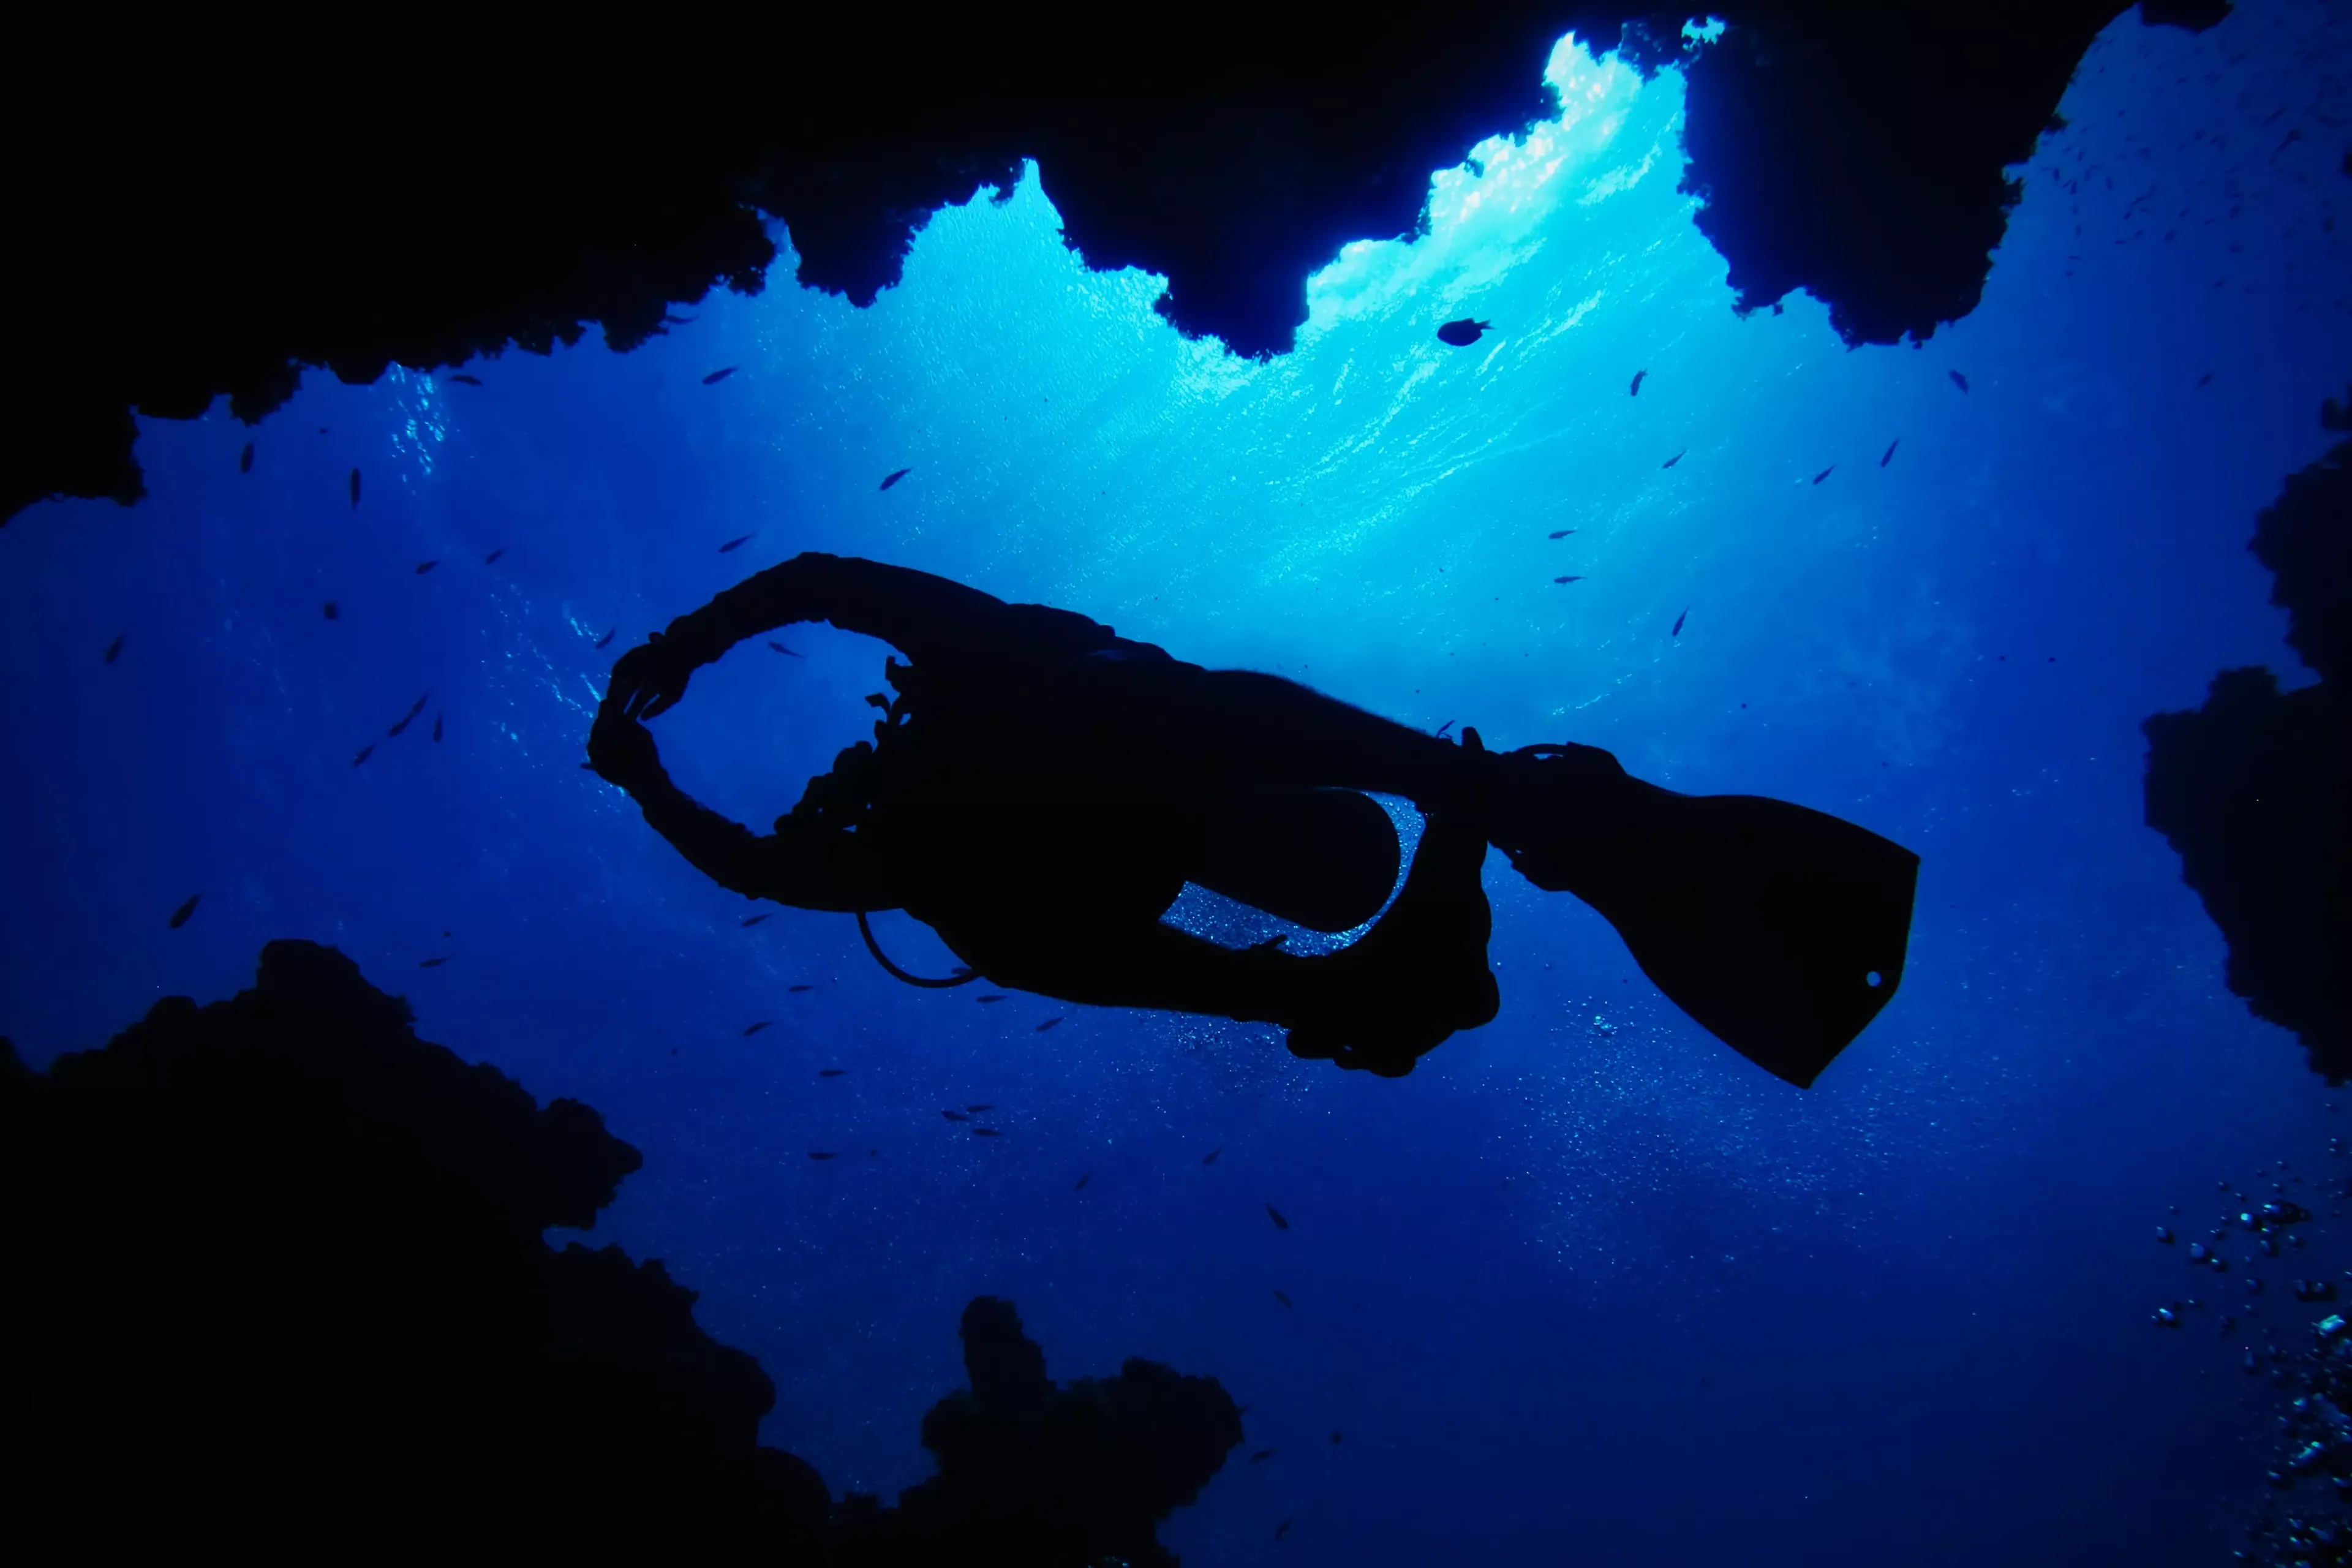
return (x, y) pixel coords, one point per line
(1780, 929)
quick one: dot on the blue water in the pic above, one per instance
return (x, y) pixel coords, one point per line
(1587, 1286)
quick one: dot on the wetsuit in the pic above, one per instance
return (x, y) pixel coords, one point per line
(1040, 789)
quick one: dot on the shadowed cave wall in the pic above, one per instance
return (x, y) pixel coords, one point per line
(203, 213)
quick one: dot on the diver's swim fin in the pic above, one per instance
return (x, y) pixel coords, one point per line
(1780, 929)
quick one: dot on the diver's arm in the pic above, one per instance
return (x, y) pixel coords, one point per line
(1383, 1023)
(933, 621)
(1419, 975)
(804, 864)
(920, 614)
(817, 869)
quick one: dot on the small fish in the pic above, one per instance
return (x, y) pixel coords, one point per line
(1442, 728)
(755, 1028)
(245, 459)
(1211, 1157)
(672, 320)
(1889, 455)
(1049, 1023)
(607, 637)
(424, 566)
(1678, 623)
(492, 558)
(1957, 379)
(984, 1105)
(984, 1001)
(893, 477)
(1338, 1436)
(1275, 1214)
(736, 543)
(1677, 457)
(414, 709)
(365, 753)
(716, 376)
(1083, 1177)
(1826, 473)
(1285, 1300)
(333, 611)
(437, 727)
(782, 649)
(1639, 377)
(2205, 379)
(1282, 1529)
(1559, 534)
(831, 1072)
(796, 990)
(463, 379)
(180, 916)
(986, 1133)
(824, 1154)
(955, 1116)
(1461, 334)
(1577, 579)
(114, 650)
(1263, 1455)
(355, 486)
(750, 920)
(433, 964)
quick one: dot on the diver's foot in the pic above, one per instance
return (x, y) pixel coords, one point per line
(1560, 813)
(1418, 975)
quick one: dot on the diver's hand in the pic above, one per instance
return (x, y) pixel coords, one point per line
(622, 751)
(649, 679)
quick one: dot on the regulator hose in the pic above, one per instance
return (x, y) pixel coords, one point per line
(883, 959)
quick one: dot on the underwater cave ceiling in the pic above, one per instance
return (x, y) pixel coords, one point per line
(206, 216)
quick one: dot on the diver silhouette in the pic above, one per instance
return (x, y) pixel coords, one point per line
(1040, 789)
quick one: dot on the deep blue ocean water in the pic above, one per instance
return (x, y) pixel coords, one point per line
(1587, 1286)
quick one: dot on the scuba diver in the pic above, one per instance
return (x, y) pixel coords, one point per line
(1040, 789)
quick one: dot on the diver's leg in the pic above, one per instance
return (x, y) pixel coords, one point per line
(1229, 729)
(1782, 929)
(1240, 727)
(1414, 979)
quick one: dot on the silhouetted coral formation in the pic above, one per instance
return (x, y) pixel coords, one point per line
(192, 238)
(1034, 1473)
(1860, 152)
(2255, 789)
(278, 1292)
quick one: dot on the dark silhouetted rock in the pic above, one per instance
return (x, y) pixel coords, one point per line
(1054, 1478)
(1859, 151)
(2305, 537)
(1854, 151)
(283, 1265)
(277, 1293)
(2255, 789)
